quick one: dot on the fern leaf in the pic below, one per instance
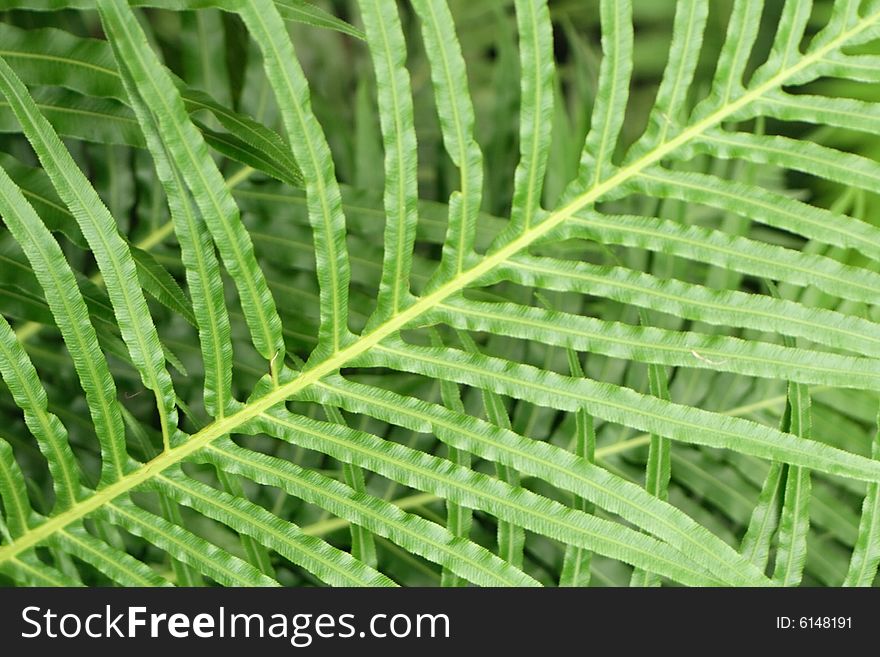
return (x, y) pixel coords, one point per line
(577, 563)
(388, 49)
(31, 570)
(866, 555)
(659, 469)
(21, 377)
(459, 519)
(185, 144)
(111, 252)
(13, 493)
(412, 532)
(764, 522)
(72, 317)
(679, 221)
(313, 154)
(87, 67)
(684, 51)
(456, 114)
(642, 412)
(115, 564)
(476, 490)
(214, 562)
(612, 92)
(330, 564)
(511, 539)
(536, 61)
(742, 30)
(203, 270)
(724, 250)
(764, 206)
(795, 520)
(363, 546)
(839, 112)
(693, 301)
(552, 464)
(659, 346)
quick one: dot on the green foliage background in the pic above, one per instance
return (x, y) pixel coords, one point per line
(420, 293)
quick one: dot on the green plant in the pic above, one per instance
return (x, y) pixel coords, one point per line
(721, 262)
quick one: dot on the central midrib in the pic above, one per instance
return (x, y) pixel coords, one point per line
(338, 360)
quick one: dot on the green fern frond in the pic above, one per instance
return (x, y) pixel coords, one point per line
(634, 209)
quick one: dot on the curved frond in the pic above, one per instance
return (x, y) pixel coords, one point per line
(661, 269)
